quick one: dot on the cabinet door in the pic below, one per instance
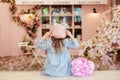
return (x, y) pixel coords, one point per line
(78, 22)
(45, 12)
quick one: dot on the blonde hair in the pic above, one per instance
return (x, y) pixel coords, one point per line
(58, 44)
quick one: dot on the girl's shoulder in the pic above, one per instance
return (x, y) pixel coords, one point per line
(66, 40)
(48, 40)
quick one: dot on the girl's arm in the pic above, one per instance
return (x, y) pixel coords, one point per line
(73, 43)
(47, 34)
(44, 43)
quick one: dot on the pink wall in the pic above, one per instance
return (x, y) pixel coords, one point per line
(11, 33)
(90, 20)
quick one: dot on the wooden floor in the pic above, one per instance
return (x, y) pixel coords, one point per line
(35, 75)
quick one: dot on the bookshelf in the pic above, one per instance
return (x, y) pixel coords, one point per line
(68, 15)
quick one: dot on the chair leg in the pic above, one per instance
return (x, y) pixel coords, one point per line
(40, 61)
(22, 58)
(32, 63)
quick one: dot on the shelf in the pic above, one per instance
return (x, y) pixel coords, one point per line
(77, 15)
(62, 15)
(68, 15)
(45, 28)
(77, 28)
(46, 15)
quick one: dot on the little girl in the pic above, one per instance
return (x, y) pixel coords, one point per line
(58, 59)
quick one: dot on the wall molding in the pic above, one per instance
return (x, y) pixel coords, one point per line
(59, 2)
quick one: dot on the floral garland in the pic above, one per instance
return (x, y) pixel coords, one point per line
(28, 19)
(106, 42)
(13, 7)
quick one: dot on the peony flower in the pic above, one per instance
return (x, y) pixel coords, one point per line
(82, 67)
(28, 18)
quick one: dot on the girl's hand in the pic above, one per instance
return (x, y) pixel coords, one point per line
(69, 34)
(47, 34)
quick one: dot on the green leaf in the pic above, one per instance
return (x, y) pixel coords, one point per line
(34, 29)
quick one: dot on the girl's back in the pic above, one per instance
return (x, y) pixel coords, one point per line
(57, 63)
(58, 59)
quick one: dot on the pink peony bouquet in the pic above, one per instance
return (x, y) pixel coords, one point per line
(82, 67)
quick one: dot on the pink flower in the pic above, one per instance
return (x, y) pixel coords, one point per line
(82, 67)
(28, 18)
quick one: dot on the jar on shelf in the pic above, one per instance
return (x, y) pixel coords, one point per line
(64, 21)
(45, 11)
(57, 10)
(62, 11)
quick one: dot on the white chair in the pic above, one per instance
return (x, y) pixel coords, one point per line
(34, 52)
(22, 44)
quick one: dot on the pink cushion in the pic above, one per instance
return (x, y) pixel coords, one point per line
(59, 31)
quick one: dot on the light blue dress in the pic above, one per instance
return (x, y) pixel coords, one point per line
(57, 64)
